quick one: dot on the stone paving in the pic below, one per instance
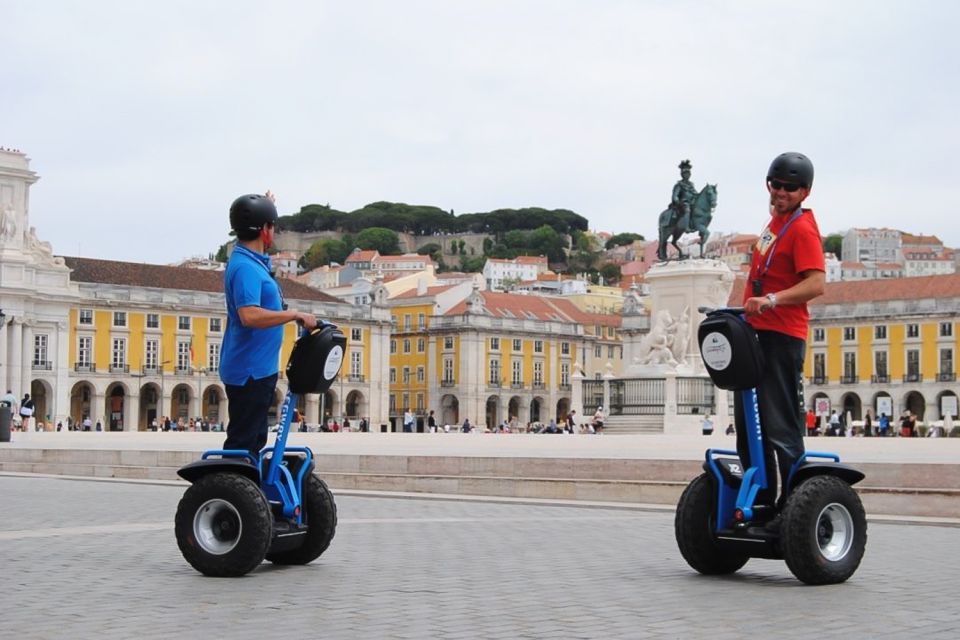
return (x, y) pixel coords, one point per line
(84, 559)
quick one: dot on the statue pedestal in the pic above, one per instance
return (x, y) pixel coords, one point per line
(665, 367)
(677, 289)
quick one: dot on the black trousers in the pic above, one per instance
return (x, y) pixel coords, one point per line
(780, 398)
(249, 405)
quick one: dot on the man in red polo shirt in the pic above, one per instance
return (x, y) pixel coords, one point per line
(786, 271)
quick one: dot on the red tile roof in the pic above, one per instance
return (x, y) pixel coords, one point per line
(367, 255)
(880, 290)
(135, 274)
(512, 305)
(431, 291)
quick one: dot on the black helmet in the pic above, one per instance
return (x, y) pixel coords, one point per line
(792, 167)
(251, 212)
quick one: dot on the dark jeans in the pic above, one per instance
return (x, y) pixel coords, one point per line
(780, 398)
(249, 405)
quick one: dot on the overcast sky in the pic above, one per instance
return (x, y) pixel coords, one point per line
(145, 120)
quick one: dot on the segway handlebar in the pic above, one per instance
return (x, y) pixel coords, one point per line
(711, 310)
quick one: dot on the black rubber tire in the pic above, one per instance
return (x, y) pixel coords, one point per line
(694, 529)
(245, 513)
(320, 516)
(823, 533)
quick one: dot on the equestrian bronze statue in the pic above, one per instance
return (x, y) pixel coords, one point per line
(690, 211)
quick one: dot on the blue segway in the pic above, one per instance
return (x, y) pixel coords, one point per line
(822, 526)
(242, 508)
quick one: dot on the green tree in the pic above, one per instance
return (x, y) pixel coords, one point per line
(472, 265)
(833, 243)
(623, 239)
(323, 252)
(610, 273)
(222, 252)
(383, 240)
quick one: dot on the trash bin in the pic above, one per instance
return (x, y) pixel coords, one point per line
(5, 417)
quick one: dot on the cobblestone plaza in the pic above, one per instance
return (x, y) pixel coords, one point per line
(85, 559)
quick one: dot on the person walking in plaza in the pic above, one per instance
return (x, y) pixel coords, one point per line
(408, 421)
(598, 420)
(867, 425)
(811, 423)
(884, 425)
(256, 314)
(431, 423)
(834, 423)
(787, 270)
(26, 412)
(706, 426)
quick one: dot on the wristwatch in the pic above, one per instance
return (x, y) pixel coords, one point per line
(772, 297)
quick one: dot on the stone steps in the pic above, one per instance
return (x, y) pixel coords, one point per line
(616, 425)
(907, 489)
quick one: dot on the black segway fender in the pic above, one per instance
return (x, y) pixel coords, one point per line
(845, 472)
(200, 468)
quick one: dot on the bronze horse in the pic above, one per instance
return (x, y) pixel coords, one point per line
(697, 221)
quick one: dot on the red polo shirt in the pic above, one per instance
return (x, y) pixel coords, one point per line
(794, 252)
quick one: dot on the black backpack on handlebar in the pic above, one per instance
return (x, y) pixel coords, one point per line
(730, 351)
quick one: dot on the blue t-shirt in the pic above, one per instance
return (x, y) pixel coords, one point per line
(247, 352)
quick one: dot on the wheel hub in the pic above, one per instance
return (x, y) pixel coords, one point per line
(834, 531)
(217, 526)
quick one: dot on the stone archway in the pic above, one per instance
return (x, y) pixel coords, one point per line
(149, 406)
(328, 406)
(851, 403)
(180, 400)
(81, 398)
(513, 408)
(915, 404)
(883, 404)
(492, 412)
(41, 394)
(947, 400)
(563, 409)
(356, 405)
(211, 402)
(115, 407)
(449, 410)
(536, 409)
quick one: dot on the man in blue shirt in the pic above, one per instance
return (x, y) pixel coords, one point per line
(256, 313)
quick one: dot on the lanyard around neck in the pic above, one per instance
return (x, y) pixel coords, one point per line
(776, 243)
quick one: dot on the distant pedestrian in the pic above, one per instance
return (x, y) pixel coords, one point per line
(835, 428)
(26, 412)
(731, 431)
(408, 421)
(598, 420)
(811, 422)
(87, 423)
(884, 424)
(431, 422)
(706, 426)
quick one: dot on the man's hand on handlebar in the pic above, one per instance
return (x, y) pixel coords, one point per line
(307, 320)
(756, 305)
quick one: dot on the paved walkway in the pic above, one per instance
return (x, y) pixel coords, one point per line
(647, 447)
(98, 561)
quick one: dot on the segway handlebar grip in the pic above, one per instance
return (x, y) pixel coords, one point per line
(710, 310)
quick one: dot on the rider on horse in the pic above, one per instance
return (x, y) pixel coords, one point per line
(684, 193)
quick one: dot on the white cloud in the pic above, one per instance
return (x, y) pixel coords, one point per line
(146, 119)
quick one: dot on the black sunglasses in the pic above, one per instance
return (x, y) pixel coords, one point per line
(786, 186)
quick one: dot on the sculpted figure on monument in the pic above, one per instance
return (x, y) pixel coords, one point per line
(655, 348)
(689, 211)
